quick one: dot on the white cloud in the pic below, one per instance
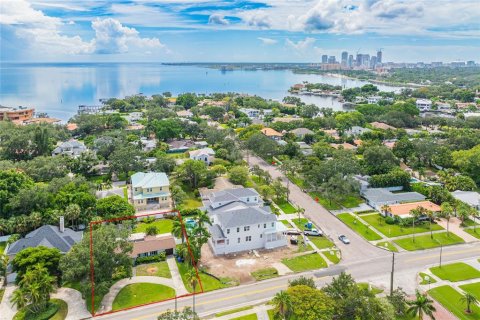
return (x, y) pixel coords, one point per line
(267, 41)
(112, 37)
(300, 45)
(217, 19)
(257, 19)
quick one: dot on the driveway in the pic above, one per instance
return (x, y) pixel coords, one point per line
(358, 249)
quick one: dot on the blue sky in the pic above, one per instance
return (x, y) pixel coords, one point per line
(236, 30)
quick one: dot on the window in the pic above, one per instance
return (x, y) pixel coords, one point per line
(255, 199)
(238, 229)
(160, 188)
(238, 240)
(259, 226)
(273, 224)
(247, 228)
(248, 238)
(261, 236)
(228, 231)
(228, 242)
(248, 199)
(264, 225)
(136, 189)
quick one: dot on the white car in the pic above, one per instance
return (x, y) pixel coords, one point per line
(313, 232)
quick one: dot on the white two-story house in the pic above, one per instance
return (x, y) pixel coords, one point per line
(240, 222)
(150, 191)
(206, 155)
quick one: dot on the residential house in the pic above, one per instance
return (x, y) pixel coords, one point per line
(272, 133)
(178, 146)
(251, 113)
(402, 210)
(48, 236)
(301, 132)
(305, 149)
(424, 105)
(345, 145)
(240, 222)
(184, 114)
(390, 144)
(18, 115)
(206, 155)
(150, 191)
(145, 245)
(378, 197)
(332, 133)
(356, 131)
(381, 125)
(377, 99)
(72, 148)
(465, 105)
(148, 144)
(286, 119)
(134, 117)
(472, 198)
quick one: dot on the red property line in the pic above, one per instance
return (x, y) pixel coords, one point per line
(92, 268)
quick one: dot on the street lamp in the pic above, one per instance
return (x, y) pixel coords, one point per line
(441, 249)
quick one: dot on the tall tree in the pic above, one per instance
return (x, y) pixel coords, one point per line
(422, 305)
(282, 305)
(28, 258)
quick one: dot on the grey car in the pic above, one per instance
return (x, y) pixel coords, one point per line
(344, 239)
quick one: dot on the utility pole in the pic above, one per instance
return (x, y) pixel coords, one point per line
(441, 249)
(391, 275)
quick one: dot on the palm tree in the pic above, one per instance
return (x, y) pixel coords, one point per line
(300, 212)
(469, 299)
(283, 305)
(447, 212)
(463, 211)
(177, 229)
(421, 305)
(386, 209)
(35, 219)
(431, 216)
(19, 299)
(203, 218)
(474, 213)
(415, 213)
(3, 268)
(192, 279)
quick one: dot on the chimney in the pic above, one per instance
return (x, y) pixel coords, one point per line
(62, 224)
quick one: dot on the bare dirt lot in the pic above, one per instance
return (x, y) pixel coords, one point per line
(240, 265)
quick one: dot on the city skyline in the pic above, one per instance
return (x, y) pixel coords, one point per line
(236, 31)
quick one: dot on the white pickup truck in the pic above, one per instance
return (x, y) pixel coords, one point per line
(313, 232)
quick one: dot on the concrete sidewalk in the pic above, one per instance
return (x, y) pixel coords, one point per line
(176, 277)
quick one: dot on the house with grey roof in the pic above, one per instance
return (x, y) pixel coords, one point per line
(378, 197)
(241, 222)
(48, 236)
(150, 190)
(356, 131)
(301, 132)
(72, 148)
(471, 198)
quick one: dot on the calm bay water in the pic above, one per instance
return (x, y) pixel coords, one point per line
(59, 89)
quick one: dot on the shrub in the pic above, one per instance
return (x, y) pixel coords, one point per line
(148, 219)
(151, 230)
(156, 258)
(392, 179)
(46, 314)
(390, 220)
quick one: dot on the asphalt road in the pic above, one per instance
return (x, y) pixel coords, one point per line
(364, 261)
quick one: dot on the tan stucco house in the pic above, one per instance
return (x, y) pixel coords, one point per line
(150, 191)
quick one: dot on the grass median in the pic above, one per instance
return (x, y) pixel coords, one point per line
(395, 230)
(426, 242)
(456, 272)
(305, 262)
(451, 299)
(356, 225)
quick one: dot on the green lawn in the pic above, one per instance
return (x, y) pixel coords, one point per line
(125, 192)
(286, 207)
(473, 288)
(158, 269)
(2, 246)
(266, 273)
(141, 293)
(395, 230)
(163, 226)
(271, 314)
(357, 226)
(191, 203)
(451, 300)
(209, 283)
(425, 242)
(372, 289)
(475, 233)
(233, 311)
(351, 201)
(321, 242)
(306, 262)
(286, 223)
(456, 272)
(62, 310)
(324, 202)
(387, 245)
(424, 276)
(332, 256)
(303, 248)
(252, 316)
(300, 223)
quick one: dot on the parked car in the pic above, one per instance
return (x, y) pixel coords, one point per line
(292, 232)
(313, 232)
(293, 239)
(344, 239)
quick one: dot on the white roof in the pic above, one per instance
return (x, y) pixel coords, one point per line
(471, 198)
(204, 151)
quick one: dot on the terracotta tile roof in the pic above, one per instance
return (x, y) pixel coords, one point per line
(71, 126)
(345, 145)
(269, 132)
(405, 208)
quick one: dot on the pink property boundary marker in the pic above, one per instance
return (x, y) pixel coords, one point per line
(92, 271)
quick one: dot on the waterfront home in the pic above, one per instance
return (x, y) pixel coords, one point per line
(145, 245)
(206, 155)
(48, 236)
(72, 148)
(241, 222)
(150, 190)
(17, 115)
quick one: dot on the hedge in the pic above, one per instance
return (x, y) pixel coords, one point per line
(392, 179)
(156, 258)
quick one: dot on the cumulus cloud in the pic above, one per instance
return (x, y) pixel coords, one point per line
(300, 45)
(267, 41)
(257, 19)
(217, 19)
(112, 37)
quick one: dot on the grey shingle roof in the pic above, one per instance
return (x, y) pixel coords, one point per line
(216, 231)
(230, 195)
(244, 217)
(48, 236)
(384, 195)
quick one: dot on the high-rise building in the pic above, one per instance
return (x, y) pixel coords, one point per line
(470, 63)
(373, 62)
(331, 59)
(379, 56)
(359, 59)
(366, 60)
(324, 58)
(344, 58)
(350, 61)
